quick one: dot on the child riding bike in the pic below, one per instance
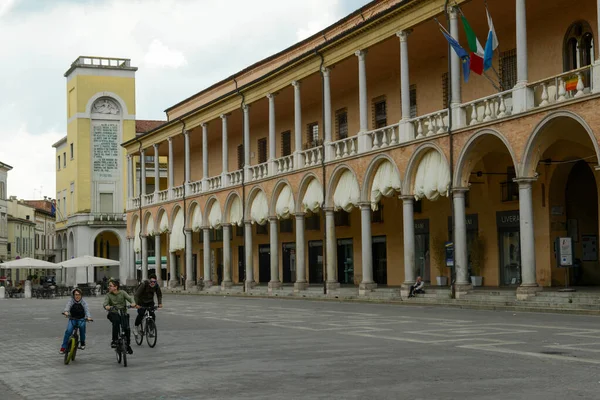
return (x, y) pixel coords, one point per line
(78, 312)
(118, 299)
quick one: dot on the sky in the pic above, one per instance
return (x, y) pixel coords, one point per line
(179, 46)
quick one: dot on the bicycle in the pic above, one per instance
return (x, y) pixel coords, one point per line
(72, 343)
(147, 328)
(121, 347)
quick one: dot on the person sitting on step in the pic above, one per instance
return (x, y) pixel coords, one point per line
(417, 287)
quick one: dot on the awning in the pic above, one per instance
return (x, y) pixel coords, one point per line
(164, 223)
(313, 198)
(214, 217)
(137, 243)
(236, 216)
(386, 183)
(151, 262)
(347, 193)
(150, 227)
(259, 212)
(285, 203)
(177, 239)
(432, 179)
(196, 219)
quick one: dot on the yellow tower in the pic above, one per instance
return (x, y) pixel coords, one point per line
(90, 163)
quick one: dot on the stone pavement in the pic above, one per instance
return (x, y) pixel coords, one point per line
(213, 347)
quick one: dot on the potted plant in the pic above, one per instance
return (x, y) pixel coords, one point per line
(437, 254)
(477, 260)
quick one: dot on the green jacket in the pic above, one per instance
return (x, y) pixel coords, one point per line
(118, 300)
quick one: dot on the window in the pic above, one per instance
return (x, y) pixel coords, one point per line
(240, 156)
(312, 135)
(341, 123)
(578, 47)
(37, 241)
(2, 191)
(43, 242)
(341, 218)
(262, 150)
(377, 216)
(18, 245)
(106, 203)
(413, 101)
(149, 159)
(508, 69)
(58, 166)
(418, 206)
(313, 222)
(65, 159)
(71, 151)
(286, 226)
(379, 113)
(445, 90)
(239, 231)
(286, 143)
(262, 229)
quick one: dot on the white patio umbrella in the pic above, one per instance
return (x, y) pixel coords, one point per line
(29, 263)
(89, 261)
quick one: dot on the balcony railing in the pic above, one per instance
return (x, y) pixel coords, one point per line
(566, 86)
(384, 137)
(345, 147)
(163, 195)
(489, 108)
(108, 217)
(178, 192)
(135, 202)
(214, 183)
(148, 199)
(285, 164)
(235, 177)
(195, 187)
(259, 171)
(312, 156)
(431, 124)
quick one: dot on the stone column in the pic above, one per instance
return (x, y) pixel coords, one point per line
(521, 17)
(188, 171)
(331, 250)
(408, 223)
(171, 169)
(157, 259)
(144, 243)
(246, 122)
(274, 282)
(298, 161)
(362, 91)
(204, 151)
(132, 270)
(206, 247)
(301, 283)
(327, 123)
(156, 173)
(367, 283)
(189, 282)
(455, 98)
(249, 256)
(227, 282)
(143, 173)
(172, 268)
(461, 263)
(272, 138)
(404, 74)
(225, 151)
(527, 235)
(130, 178)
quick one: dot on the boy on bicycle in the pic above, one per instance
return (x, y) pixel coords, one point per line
(144, 297)
(78, 312)
(118, 299)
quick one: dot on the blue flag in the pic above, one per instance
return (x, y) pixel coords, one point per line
(461, 53)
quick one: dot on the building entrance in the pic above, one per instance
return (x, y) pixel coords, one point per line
(264, 263)
(289, 262)
(345, 261)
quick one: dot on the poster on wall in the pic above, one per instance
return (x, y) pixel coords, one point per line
(105, 150)
(589, 244)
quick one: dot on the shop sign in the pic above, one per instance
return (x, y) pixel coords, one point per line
(507, 219)
(421, 226)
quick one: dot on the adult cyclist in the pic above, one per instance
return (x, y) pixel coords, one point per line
(118, 299)
(144, 297)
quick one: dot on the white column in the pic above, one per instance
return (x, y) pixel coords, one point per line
(188, 260)
(298, 125)
(521, 43)
(204, 151)
(143, 172)
(246, 122)
(186, 136)
(249, 256)
(528, 276)
(455, 61)
(327, 104)
(156, 172)
(144, 244)
(331, 250)
(404, 74)
(225, 149)
(172, 268)
(171, 169)
(206, 247)
(408, 223)
(362, 90)
(227, 282)
(300, 254)
(460, 237)
(272, 139)
(132, 270)
(274, 282)
(367, 249)
(130, 177)
(157, 259)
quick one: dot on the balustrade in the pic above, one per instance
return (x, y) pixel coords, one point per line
(259, 171)
(285, 164)
(566, 86)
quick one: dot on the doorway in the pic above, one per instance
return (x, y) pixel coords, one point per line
(194, 267)
(509, 247)
(241, 264)
(219, 264)
(379, 249)
(264, 263)
(345, 261)
(315, 261)
(289, 262)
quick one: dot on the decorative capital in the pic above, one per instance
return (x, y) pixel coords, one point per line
(459, 190)
(361, 54)
(170, 140)
(325, 71)
(186, 132)
(226, 225)
(296, 84)
(407, 198)
(364, 204)
(155, 145)
(246, 108)
(271, 96)
(142, 152)
(204, 125)
(525, 181)
(300, 215)
(224, 117)
(403, 35)
(453, 12)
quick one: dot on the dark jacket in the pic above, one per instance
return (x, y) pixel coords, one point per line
(145, 293)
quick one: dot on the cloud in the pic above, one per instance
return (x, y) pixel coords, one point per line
(161, 56)
(179, 46)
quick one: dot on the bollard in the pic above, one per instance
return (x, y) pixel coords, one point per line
(2, 292)
(27, 289)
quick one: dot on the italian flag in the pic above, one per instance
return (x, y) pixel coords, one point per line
(475, 47)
